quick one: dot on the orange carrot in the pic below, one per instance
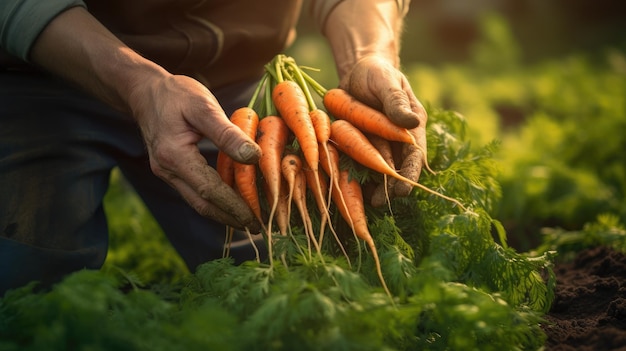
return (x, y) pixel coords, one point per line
(245, 175)
(321, 125)
(342, 105)
(282, 208)
(224, 168)
(354, 143)
(354, 211)
(272, 134)
(292, 105)
(290, 166)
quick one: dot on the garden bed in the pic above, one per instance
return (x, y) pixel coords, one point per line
(589, 310)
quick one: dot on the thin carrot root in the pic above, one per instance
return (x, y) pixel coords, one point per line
(355, 144)
(256, 249)
(379, 270)
(300, 201)
(228, 241)
(387, 198)
(323, 209)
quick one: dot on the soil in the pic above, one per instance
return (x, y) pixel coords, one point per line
(589, 309)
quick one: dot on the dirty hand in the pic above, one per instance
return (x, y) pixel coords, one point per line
(376, 82)
(174, 113)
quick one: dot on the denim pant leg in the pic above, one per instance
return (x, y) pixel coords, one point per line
(57, 147)
(55, 160)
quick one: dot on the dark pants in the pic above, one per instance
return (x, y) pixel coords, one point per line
(57, 149)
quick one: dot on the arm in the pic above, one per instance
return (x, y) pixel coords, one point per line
(173, 112)
(364, 36)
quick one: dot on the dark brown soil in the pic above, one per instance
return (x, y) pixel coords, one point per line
(589, 310)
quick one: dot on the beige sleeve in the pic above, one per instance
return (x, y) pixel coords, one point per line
(319, 9)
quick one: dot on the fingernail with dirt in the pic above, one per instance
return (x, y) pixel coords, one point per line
(248, 152)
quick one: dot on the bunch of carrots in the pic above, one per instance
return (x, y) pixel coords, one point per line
(301, 148)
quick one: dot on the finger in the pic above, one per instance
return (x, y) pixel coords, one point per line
(201, 186)
(383, 192)
(379, 84)
(211, 121)
(210, 210)
(411, 168)
(402, 107)
(203, 207)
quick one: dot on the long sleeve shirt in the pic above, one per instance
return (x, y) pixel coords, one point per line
(214, 41)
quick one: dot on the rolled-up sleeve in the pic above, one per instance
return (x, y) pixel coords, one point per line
(21, 22)
(319, 9)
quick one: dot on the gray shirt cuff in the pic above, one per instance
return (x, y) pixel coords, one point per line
(21, 22)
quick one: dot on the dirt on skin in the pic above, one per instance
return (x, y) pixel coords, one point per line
(589, 309)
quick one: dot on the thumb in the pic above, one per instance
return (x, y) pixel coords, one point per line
(376, 82)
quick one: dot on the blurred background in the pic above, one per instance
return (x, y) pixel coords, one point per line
(443, 31)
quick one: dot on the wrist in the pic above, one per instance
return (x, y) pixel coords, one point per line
(93, 58)
(137, 81)
(357, 29)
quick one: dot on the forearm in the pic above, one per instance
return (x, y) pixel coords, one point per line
(357, 28)
(75, 46)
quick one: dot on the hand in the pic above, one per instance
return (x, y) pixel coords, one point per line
(378, 83)
(174, 113)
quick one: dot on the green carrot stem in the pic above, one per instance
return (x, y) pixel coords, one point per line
(257, 90)
(303, 84)
(278, 66)
(271, 109)
(319, 89)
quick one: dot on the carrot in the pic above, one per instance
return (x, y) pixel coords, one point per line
(342, 105)
(272, 134)
(292, 104)
(354, 211)
(291, 167)
(321, 125)
(355, 144)
(245, 174)
(282, 213)
(224, 168)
